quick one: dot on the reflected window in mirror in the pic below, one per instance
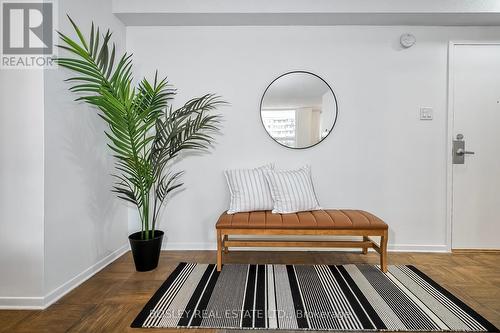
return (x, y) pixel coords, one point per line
(281, 125)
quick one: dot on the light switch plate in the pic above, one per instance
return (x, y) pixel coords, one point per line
(426, 113)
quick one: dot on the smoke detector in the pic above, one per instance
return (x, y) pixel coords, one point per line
(407, 40)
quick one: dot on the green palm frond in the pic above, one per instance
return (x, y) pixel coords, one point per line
(145, 134)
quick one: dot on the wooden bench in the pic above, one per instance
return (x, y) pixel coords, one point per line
(314, 223)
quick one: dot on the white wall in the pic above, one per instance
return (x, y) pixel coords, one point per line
(380, 157)
(21, 187)
(85, 225)
(59, 222)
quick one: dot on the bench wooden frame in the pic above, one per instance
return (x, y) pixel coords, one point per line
(224, 242)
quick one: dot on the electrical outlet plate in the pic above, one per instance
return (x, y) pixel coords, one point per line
(426, 114)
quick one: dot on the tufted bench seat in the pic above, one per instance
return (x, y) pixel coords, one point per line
(331, 222)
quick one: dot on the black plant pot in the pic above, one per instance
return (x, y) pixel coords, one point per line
(146, 252)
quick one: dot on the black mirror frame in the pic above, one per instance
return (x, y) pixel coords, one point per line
(336, 109)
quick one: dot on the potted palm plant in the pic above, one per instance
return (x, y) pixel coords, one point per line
(145, 133)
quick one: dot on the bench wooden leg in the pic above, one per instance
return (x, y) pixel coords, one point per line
(226, 249)
(219, 250)
(383, 252)
(365, 249)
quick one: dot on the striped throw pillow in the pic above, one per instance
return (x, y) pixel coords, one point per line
(249, 190)
(292, 190)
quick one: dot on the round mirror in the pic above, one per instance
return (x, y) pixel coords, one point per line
(298, 109)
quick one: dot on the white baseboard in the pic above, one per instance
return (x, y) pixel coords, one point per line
(390, 248)
(418, 248)
(22, 303)
(188, 246)
(65, 288)
(40, 303)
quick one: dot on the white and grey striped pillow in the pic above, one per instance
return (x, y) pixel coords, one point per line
(292, 190)
(249, 189)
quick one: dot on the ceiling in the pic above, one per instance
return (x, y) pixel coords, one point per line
(307, 12)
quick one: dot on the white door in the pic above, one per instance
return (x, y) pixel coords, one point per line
(475, 98)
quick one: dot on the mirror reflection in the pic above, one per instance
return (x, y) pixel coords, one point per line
(298, 109)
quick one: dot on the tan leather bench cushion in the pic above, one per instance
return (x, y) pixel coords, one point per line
(344, 219)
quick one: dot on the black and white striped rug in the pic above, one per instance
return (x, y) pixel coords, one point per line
(319, 297)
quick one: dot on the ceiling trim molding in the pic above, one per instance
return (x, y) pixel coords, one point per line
(307, 12)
